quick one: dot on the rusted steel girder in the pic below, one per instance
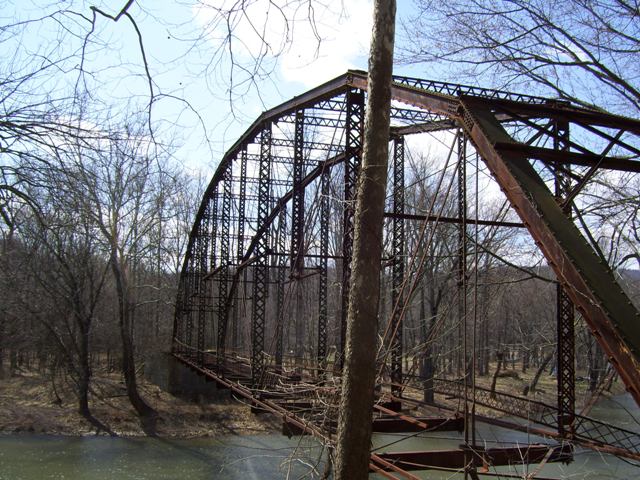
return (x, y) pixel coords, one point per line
(264, 404)
(398, 272)
(481, 458)
(398, 422)
(611, 316)
(453, 220)
(444, 106)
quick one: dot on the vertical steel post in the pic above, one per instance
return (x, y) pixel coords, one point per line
(297, 225)
(462, 246)
(186, 317)
(188, 301)
(398, 245)
(203, 243)
(565, 312)
(178, 323)
(353, 149)
(297, 203)
(281, 277)
(213, 227)
(201, 269)
(242, 196)
(183, 332)
(260, 267)
(223, 272)
(195, 301)
(321, 353)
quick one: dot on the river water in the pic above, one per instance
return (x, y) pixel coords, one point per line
(272, 456)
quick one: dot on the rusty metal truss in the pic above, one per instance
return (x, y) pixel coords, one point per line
(277, 218)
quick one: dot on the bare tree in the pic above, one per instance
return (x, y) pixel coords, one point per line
(581, 50)
(45, 84)
(121, 184)
(117, 187)
(70, 287)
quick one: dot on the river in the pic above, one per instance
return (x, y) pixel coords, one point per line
(264, 457)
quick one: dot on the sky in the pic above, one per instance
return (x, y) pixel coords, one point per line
(307, 53)
(311, 53)
(202, 101)
(202, 105)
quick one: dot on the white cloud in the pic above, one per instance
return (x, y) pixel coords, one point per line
(345, 35)
(285, 27)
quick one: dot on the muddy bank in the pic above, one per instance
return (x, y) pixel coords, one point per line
(31, 403)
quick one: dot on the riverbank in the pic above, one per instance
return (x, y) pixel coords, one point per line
(31, 403)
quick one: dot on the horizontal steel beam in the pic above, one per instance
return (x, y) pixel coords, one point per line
(469, 221)
(480, 457)
(571, 158)
(418, 424)
(609, 313)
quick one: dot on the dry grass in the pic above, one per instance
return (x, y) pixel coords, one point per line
(28, 403)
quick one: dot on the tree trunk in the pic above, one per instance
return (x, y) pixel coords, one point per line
(532, 386)
(84, 373)
(2, 336)
(144, 410)
(84, 378)
(354, 423)
(494, 381)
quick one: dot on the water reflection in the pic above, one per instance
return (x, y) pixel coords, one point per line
(97, 458)
(28, 457)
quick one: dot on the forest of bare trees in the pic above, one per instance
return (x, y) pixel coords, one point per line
(89, 263)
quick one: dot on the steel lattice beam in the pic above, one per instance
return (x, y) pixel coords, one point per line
(260, 267)
(225, 258)
(297, 202)
(462, 241)
(565, 315)
(241, 219)
(353, 138)
(281, 274)
(322, 282)
(398, 247)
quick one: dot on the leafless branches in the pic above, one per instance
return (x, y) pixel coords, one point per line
(581, 50)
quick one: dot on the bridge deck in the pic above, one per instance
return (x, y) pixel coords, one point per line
(309, 405)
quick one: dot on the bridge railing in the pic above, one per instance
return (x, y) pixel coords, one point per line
(585, 428)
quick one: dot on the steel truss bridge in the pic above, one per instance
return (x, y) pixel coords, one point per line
(261, 307)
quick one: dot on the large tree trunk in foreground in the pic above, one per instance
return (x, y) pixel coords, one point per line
(354, 424)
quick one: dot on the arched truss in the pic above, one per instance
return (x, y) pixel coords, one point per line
(265, 236)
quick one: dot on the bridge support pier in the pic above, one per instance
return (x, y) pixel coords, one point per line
(175, 377)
